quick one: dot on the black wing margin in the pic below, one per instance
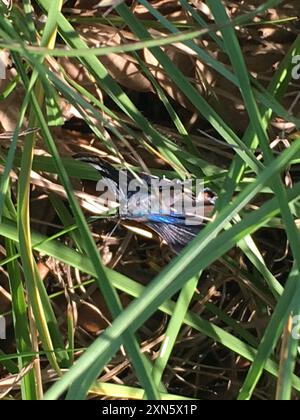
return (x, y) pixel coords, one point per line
(176, 236)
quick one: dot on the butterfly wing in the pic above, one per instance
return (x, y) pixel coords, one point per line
(176, 236)
(172, 228)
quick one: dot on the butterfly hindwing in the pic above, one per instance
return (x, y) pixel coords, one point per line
(176, 236)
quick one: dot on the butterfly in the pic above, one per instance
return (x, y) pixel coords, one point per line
(176, 227)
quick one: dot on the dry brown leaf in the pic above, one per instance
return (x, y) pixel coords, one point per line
(188, 65)
(9, 108)
(165, 7)
(120, 66)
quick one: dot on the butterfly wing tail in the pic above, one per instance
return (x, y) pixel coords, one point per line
(176, 236)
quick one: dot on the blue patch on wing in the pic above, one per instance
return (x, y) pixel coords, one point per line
(161, 218)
